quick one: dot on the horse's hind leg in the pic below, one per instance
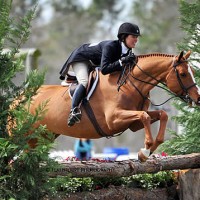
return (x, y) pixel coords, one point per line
(163, 117)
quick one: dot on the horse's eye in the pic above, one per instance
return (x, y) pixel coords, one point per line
(183, 74)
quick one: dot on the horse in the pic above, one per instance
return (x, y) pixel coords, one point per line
(122, 106)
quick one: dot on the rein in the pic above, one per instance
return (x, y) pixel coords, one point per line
(122, 80)
(124, 76)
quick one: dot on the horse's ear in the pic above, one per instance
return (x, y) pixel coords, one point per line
(187, 55)
(180, 56)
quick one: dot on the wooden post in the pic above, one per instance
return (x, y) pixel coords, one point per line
(31, 58)
(189, 184)
(31, 61)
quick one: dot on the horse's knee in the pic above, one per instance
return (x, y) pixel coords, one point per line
(163, 115)
(145, 117)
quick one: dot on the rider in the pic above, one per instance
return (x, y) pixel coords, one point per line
(110, 55)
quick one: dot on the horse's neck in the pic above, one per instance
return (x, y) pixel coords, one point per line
(153, 68)
(156, 66)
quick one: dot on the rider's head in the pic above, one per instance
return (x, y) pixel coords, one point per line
(127, 29)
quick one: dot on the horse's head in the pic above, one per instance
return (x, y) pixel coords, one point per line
(180, 80)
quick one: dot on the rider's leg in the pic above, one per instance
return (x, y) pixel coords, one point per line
(75, 113)
(81, 71)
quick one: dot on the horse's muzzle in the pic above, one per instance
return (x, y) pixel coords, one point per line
(187, 99)
(192, 103)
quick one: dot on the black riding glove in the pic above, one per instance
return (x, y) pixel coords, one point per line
(128, 59)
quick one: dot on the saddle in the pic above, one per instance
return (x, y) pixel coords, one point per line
(72, 82)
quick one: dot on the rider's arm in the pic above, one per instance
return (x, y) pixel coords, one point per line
(110, 54)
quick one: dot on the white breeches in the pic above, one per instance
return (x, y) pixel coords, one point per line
(81, 71)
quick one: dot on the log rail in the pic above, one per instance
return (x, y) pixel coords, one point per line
(103, 168)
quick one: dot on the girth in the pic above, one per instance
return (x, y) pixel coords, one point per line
(91, 116)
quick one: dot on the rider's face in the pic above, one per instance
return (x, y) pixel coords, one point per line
(131, 41)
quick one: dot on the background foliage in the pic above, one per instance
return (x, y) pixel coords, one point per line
(23, 172)
(188, 139)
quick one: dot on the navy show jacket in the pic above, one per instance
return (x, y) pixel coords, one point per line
(105, 54)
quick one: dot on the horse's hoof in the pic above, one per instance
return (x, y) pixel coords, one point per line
(143, 155)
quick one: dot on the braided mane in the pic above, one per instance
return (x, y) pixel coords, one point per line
(155, 55)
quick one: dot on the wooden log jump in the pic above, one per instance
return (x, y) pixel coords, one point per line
(105, 168)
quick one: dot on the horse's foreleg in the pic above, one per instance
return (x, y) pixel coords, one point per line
(146, 120)
(145, 152)
(131, 120)
(132, 117)
(163, 117)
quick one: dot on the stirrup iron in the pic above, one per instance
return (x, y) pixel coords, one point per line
(74, 116)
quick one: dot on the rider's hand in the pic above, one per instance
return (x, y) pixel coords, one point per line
(128, 59)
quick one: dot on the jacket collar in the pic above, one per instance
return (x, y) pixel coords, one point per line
(124, 49)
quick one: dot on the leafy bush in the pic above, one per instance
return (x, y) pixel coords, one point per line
(67, 185)
(152, 181)
(188, 141)
(70, 185)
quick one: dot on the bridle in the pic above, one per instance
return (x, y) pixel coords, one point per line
(185, 97)
(126, 73)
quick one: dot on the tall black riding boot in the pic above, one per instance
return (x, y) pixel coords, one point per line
(75, 113)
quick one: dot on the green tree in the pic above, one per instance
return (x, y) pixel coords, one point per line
(23, 172)
(158, 21)
(105, 9)
(188, 141)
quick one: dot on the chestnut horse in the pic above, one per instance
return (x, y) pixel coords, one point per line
(119, 107)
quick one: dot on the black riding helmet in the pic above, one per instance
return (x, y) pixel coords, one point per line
(128, 29)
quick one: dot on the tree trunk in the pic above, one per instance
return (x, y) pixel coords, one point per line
(103, 168)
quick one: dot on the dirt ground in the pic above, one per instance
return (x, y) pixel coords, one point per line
(123, 193)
